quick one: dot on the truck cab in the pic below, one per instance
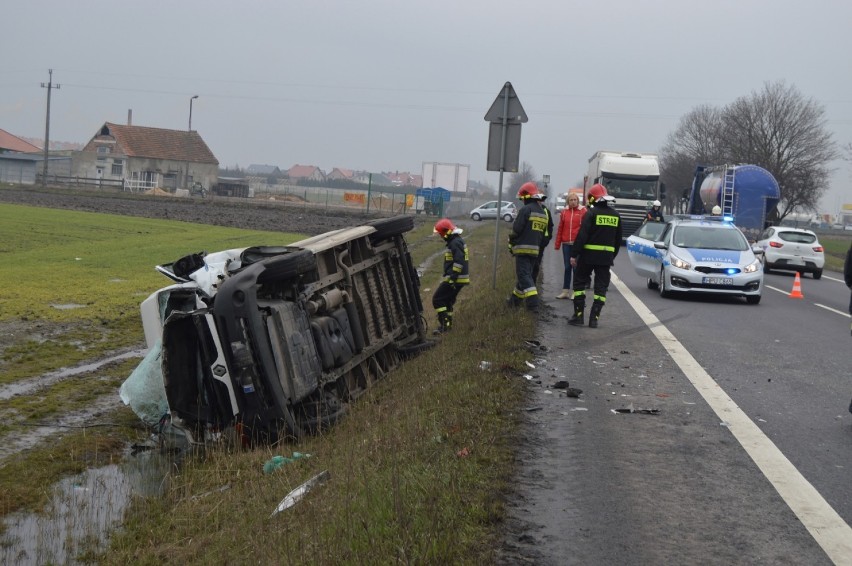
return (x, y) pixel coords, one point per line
(633, 179)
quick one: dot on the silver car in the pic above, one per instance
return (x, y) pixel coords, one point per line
(489, 210)
(696, 255)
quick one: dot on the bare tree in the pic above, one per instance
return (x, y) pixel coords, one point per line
(524, 174)
(780, 130)
(697, 140)
(775, 128)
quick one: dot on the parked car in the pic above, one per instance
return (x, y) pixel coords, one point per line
(792, 249)
(274, 341)
(489, 210)
(690, 255)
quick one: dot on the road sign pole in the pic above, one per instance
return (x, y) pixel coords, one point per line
(507, 111)
(500, 183)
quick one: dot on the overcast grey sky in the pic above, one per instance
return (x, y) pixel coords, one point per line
(384, 85)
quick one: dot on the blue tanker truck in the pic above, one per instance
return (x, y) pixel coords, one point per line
(747, 193)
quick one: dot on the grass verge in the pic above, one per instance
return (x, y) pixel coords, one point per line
(418, 468)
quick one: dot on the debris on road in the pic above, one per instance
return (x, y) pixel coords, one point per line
(297, 494)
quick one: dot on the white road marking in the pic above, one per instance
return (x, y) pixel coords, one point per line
(841, 313)
(783, 292)
(827, 527)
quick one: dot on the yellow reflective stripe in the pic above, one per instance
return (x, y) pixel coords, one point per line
(606, 220)
(597, 248)
(440, 309)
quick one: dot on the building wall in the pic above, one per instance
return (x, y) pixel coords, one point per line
(86, 164)
(19, 172)
(25, 171)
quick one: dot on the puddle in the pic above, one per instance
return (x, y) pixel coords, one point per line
(83, 510)
(29, 386)
(67, 306)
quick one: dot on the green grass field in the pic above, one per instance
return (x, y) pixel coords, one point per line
(418, 468)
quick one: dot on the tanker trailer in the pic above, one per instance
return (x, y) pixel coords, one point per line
(746, 193)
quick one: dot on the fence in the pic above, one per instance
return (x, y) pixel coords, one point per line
(68, 180)
(374, 200)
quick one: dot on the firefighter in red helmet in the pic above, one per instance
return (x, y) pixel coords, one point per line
(594, 251)
(456, 274)
(528, 232)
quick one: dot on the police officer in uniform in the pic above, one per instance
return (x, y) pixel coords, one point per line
(594, 250)
(525, 244)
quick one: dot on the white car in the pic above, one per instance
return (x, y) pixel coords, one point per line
(489, 210)
(792, 249)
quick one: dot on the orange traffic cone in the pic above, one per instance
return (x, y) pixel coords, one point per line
(796, 293)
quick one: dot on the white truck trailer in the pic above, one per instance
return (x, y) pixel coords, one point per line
(632, 178)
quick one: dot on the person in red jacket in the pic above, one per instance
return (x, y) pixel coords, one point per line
(569, 225)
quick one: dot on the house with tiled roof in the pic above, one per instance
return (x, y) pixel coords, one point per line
(338, 173)
(11, 143)
(403, 178)
(367, 178)
(148, 157)
(309, 172)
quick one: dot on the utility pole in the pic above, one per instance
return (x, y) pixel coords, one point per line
(49, 86)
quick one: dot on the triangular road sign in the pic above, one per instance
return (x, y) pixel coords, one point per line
(515, 112)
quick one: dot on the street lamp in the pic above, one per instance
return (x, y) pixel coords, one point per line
(190, 111)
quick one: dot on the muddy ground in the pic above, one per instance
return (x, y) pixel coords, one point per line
(259, 214)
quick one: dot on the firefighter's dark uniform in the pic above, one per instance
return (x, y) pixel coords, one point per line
(456, 276)
(548, 235)
(595, 248)
(525, 243)
(655, 214)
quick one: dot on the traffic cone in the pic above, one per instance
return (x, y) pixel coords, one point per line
(796, 293)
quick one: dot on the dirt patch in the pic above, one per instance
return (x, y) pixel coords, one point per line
(258, 214)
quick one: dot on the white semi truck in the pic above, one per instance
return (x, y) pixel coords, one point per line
(632, 178)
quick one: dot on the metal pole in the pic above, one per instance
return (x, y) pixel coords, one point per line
(190, 111)
(500, 184)
(49, 86)
(369, 188)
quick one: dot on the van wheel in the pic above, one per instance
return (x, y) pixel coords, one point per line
(507, 217)
(388, 227)
(475, 216)
(287, 266)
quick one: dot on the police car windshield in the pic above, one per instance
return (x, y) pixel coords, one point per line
(709, 238)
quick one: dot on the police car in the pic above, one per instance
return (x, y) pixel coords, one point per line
(691, 255)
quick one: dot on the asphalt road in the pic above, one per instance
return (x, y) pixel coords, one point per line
(747, 460)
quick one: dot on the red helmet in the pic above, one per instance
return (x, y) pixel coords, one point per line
(528, 190)
(597, 192)
(444, 227)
